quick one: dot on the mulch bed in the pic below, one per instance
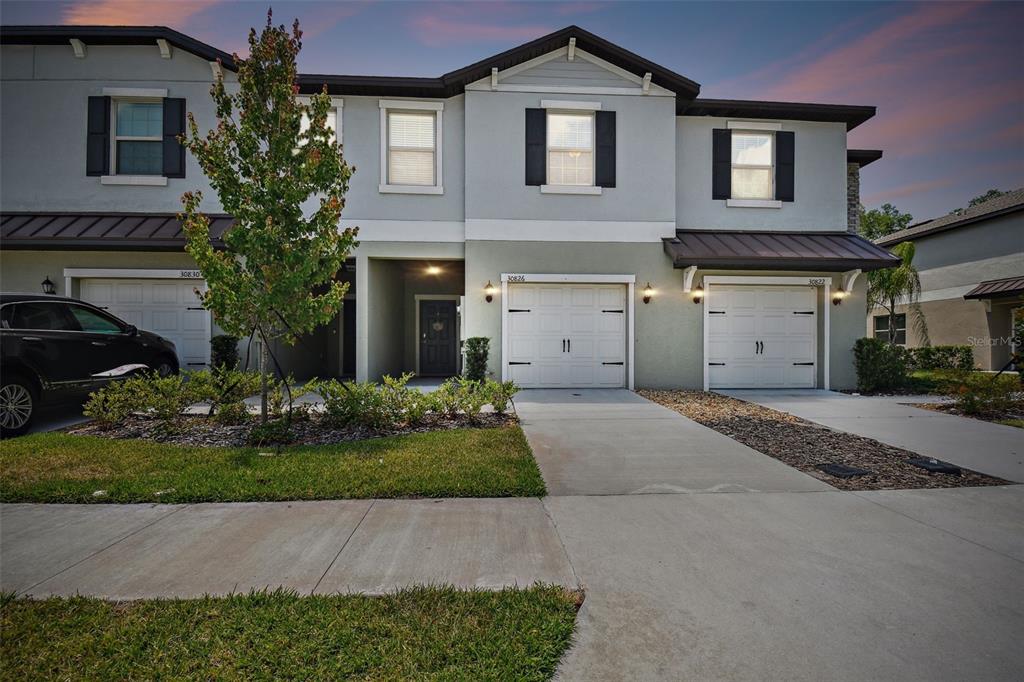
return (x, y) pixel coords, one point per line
(951, 408)
(202, 431)
(805, 445)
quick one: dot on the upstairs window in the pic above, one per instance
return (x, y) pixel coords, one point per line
(333, 117)
(570, 149)
(752, 165)
(410, 149)
(138, 137)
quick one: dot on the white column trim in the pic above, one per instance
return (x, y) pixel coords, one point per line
(688, 274)
(826, 304)
(706, 334)
(504, 328)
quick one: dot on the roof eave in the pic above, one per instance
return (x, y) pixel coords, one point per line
(851, 115)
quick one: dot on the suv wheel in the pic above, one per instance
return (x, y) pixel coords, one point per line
(17, 405)
(164, 366)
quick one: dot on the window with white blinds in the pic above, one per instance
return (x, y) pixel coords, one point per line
(411, 147)
(752, 171)
(570, 149)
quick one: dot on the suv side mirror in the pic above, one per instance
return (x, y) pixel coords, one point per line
(132, 330)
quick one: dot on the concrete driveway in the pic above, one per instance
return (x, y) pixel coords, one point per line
(613, 442)
(992, 449)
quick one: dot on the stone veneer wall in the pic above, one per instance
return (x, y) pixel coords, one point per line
(853, 197)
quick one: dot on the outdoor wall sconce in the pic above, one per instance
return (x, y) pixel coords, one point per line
(48, 287)
(648, 292)
(489, 291)
(698, 294)
(838, 297)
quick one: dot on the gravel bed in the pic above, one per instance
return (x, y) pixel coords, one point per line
(204, 432)
(951, 408)
(805, 445)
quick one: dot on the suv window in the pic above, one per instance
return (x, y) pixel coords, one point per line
(92, 321)
(43, 316)
(6, 313)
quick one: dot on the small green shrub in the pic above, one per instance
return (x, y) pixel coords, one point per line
(477, 350)
(942, 357)
(880, 366)
(272, 432)
(117, 401)
(978, 393)
(499, 394)
(224, 351)
(370, 405)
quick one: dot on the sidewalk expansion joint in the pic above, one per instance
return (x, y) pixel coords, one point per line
(561, 543)
(343, 546)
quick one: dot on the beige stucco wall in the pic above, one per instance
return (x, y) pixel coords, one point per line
(668, 331)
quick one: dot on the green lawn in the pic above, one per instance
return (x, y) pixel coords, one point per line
(939, 381)
(57, 467)
(1018, 423)
(421, 633)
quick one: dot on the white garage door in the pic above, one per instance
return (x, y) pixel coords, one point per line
(761, 337)
(167, 307)
(567, 335)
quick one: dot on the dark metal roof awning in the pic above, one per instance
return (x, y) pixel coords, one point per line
(101, 231)
(742, 250)
(997, 288)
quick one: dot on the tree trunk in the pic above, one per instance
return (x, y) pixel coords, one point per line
(892, 322)
(264, 354)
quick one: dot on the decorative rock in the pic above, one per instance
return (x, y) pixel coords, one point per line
(842, 470)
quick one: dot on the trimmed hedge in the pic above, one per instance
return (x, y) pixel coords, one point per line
(942, 357)
(880, 366)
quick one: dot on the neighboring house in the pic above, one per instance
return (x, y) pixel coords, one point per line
(972, 279)
(567, 198)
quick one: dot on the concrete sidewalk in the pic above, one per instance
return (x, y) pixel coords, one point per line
(992, 449)
(613, 442)
(367, 546)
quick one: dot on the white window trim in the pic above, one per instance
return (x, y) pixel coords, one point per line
(754, 125)
(587, 190)
(736, 202)
(570, 104)
(753, 203)
(338, 104)
(387, 105)
(628, 280)
(824, 281)
(130, 96)
(592, 189)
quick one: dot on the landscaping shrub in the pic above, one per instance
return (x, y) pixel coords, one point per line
(117, 401)
(225, 390)
(978, 393)
(880, 366)
(224, 351)
(375, 406)
(942, 357)
(272, 432)
(499, 394)
(477, 349)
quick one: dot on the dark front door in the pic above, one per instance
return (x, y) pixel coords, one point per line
(439, 338)
(348, 334)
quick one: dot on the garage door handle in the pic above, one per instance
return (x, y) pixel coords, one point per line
(520, 363)
(611, 363)
(563, 345)
(804, 364)
(716, 364)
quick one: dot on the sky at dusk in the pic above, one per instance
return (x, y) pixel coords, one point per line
(947, 78)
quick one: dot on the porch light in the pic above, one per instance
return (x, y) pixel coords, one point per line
(838, 296)
(698, 294)
(48, 287)
(648, 292)
(433, 270)
(489, 291)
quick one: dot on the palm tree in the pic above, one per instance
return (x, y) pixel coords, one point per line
(901, 284)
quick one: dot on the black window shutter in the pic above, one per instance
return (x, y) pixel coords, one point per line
(604, 162)
(536, 146)
(97, 138)
(721, 163)
(784, 154)
(174, 125)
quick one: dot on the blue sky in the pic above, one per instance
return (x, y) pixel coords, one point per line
(946, 77)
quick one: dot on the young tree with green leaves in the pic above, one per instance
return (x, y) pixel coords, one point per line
(275, 277)
(879, 222)
(978, 200)
(901, 284)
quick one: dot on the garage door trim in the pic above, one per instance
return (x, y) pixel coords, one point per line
(535, 278)
(823, 281)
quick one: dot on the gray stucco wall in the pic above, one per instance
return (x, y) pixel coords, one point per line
(385, 316)
(819, 180)
(668, 331)
(496, 157)
(994, 238)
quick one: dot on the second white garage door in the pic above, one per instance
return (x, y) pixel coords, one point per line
(167, 307)
(761, 337)
(567, 335)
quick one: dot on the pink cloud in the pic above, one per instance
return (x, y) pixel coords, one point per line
(904, 191)
(452, 25)
(128, 13)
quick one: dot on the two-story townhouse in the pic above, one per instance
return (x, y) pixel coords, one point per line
(572, 201)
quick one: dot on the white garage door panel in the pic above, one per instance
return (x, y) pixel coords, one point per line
(567, 335)
(165, 307)
(762, 337)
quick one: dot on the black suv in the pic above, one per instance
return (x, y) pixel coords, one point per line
(52, 347)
